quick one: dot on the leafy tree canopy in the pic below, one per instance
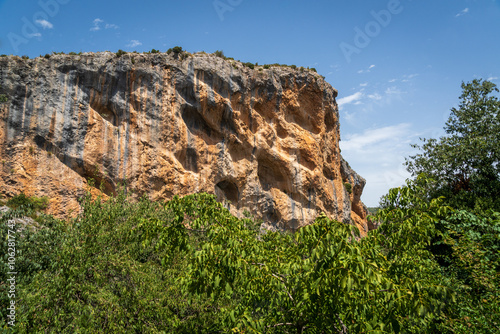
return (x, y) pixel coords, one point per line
(464, 163)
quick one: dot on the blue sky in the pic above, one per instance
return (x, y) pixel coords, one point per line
(398, 65)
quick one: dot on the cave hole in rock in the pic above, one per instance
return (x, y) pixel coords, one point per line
(197, 124)
(188, 157)
(271, 175)
(230, 190)
(105, 111)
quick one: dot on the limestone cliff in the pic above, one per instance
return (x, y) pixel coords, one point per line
(263, 140)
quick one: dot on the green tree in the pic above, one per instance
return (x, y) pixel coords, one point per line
(464, 163)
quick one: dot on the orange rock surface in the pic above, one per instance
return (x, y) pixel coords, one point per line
(263, 140)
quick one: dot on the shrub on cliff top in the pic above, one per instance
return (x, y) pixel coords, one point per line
(249, 65)
(120, 53)
(175, 49)
(219, 53)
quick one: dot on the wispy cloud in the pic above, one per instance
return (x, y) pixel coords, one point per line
(133, 43)
(492, 78)
(335, 67)
(375, 96)
(97, 25)
(367, 70)
(373, 137)
(364, 84)
(407, 78)
(463, 12)
(378, 154)
(36, 34)
(44, 24)
(349, 99)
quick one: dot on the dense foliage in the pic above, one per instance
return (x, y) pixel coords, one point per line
(190, 266)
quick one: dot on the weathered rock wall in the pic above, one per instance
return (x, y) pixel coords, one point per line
(262, 140)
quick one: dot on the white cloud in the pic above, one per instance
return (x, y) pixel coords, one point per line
(364, 84)
(37, 34)
(133, 43)
(407, 78)
(378, 154)
(492, 78)
(375, 96)
(349, 99)
(393, 91)
(44, 24)
(367, 70)
(96, 25)
(393, 80)
(463, 12)
(372, 137)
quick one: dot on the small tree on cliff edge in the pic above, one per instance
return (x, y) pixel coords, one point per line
(465, 163)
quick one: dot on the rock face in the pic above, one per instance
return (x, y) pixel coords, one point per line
(263, 140)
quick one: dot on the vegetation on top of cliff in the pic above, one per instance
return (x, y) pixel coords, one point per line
(120, 53)
(175, 49)
(182, 54)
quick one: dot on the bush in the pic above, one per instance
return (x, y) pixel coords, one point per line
(266, 66)
(33, 203)
(120, 53)
(47, 56)
(348, 187)
(175, 49)
(314, 70)
(293, 67)
(155, 51)
(219, 53)
(25, 57)
(249, 65)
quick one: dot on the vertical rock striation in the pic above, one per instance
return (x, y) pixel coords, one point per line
(262, 140)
